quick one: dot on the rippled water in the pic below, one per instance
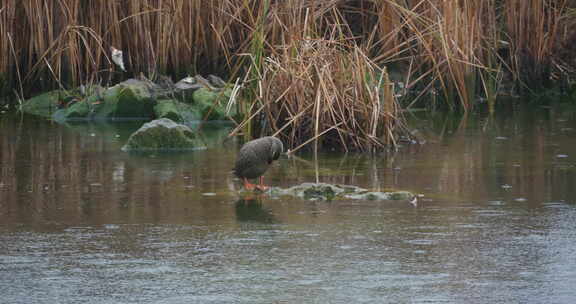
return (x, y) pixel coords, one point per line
(83, 222)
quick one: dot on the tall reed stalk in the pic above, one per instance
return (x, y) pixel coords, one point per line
(455, 49)
(445, 41)
(534, 31)
(325, 90)
(7, 49)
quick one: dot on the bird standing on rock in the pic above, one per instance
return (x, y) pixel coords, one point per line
(254, 159)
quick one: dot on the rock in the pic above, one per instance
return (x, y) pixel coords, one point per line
(377, 196)
(314, 191)
(46, 104)
(188, 83)
(216, 81)
(185, 89)
(137, 99)
(330, 192)
(401, 195)
(79, 110)
(212, 104)
(176, 111)
(205, 83)
(162, 135)
(129, 99)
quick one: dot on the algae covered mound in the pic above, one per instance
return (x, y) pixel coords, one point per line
(163, 135)
(176, 111)
(46, 104)
(136, 99)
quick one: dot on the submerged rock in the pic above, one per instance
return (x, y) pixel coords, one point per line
(162, 135)
(316, 191)
(377, 196)
(329, 192)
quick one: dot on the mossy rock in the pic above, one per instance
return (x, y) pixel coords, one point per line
(176, 111)
(45, 104)
(377, 196)
(212, 103)
(330, 192)
(125, 101)
(78, 110)
(128, 100)
(162, 135)
(317, 191)
(320, 191)
(81, 109)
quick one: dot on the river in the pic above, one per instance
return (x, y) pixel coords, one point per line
(83, 222)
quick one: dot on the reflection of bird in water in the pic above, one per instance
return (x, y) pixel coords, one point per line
(254, 159)
(249, 209)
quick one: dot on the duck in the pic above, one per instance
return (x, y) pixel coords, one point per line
(254, 159)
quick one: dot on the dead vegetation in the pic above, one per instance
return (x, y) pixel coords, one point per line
(313, 71)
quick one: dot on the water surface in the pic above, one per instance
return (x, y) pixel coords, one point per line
(83, 222)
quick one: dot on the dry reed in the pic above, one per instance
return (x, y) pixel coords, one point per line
(324, 90)
(534, 31)
(7, 30)
(446, 42)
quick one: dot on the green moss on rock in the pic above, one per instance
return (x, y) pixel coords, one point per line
(329, 192)
(176, 111)
(125, 101)
(44, 104)
(78, 110)
(212, 104)
(162, 135)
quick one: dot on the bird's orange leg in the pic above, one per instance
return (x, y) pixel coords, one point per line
(248, 185)
(261, 186)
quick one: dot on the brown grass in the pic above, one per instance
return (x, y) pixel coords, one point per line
(320, 91)
(316, 85)
(534, 30)
(7, 30)
(446, 42)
